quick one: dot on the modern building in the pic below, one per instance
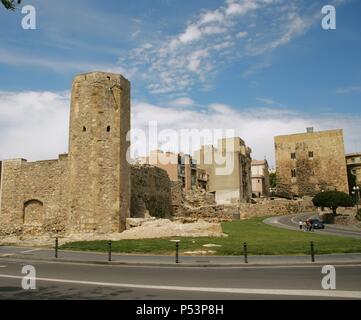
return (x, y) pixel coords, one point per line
(310, 162)
(229, 170)
(353, 162)
(180, 167)
(260, 178)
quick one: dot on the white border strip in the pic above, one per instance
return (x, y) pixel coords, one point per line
(273, 292)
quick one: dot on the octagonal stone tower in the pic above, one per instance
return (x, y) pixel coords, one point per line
(99, 174)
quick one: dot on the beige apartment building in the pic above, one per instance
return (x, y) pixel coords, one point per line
(260, 178)
(310, 162)
(180, 167)
(229, 170)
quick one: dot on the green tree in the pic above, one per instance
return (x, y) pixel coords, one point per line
(333, 200)
(273, 180)
(10, 4)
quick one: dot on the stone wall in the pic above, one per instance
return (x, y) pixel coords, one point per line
(196, 204)
(211, 214)
(33, 197)
(150, 192)
(87, 191)
(275, 207)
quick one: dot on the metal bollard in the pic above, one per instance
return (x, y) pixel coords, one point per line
(312, 251)
(109, 251)
(245, 252)
(177, 252)
(56, 247)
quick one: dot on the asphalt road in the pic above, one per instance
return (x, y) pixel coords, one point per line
(87, 281)
(291, 222)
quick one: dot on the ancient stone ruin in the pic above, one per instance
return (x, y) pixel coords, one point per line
(88, 190)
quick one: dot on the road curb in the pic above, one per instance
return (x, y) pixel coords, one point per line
(179, 265)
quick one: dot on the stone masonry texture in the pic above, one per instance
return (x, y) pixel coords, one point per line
(150, 192)
(308, 163)
(98, 168)
(86, 191)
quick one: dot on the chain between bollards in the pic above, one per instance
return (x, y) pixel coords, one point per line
(312, 251)
(245, 252)
(56, 247)
(109, 251)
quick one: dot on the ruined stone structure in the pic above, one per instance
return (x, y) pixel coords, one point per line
(150, 192)
(229, 170)
(308, 163)
(276, 207)
(87, 191)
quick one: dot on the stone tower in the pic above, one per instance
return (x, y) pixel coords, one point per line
(99, 174)
(310, 162)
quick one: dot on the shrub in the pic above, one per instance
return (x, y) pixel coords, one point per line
(333, 200)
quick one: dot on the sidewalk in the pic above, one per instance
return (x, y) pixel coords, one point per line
(190, 261)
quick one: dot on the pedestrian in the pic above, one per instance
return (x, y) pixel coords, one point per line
(300, 223)
(304, 226)
(311, 226)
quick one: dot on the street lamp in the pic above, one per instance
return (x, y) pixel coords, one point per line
(356, 191)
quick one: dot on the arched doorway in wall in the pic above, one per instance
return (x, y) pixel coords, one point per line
(33, 213)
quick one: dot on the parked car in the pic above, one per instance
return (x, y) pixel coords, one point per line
(317, 224)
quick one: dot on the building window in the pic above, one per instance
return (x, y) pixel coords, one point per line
(84, 129)
(108, 128)
(293, 155)
(310, 154)
(293, 173)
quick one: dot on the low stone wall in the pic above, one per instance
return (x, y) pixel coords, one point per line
(275, 207)
(150, 192)
(212, 214)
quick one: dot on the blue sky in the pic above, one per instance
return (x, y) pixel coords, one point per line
(263, 67)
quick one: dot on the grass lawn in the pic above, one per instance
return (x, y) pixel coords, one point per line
(262, 239)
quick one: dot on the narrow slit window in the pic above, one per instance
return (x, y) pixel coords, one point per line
(108, 128)
(293, 173)
(84, 129)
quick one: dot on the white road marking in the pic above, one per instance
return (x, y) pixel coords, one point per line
(277, 292)
(28, 251)
(293, 219)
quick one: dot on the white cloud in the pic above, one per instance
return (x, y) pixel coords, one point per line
(235, 31)
(182, 102)
(241, 7)
(242, 34)
(34, 125)
(270, 102)
(349, 90)
(257, 126)
(192, 33)
(212, 16)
